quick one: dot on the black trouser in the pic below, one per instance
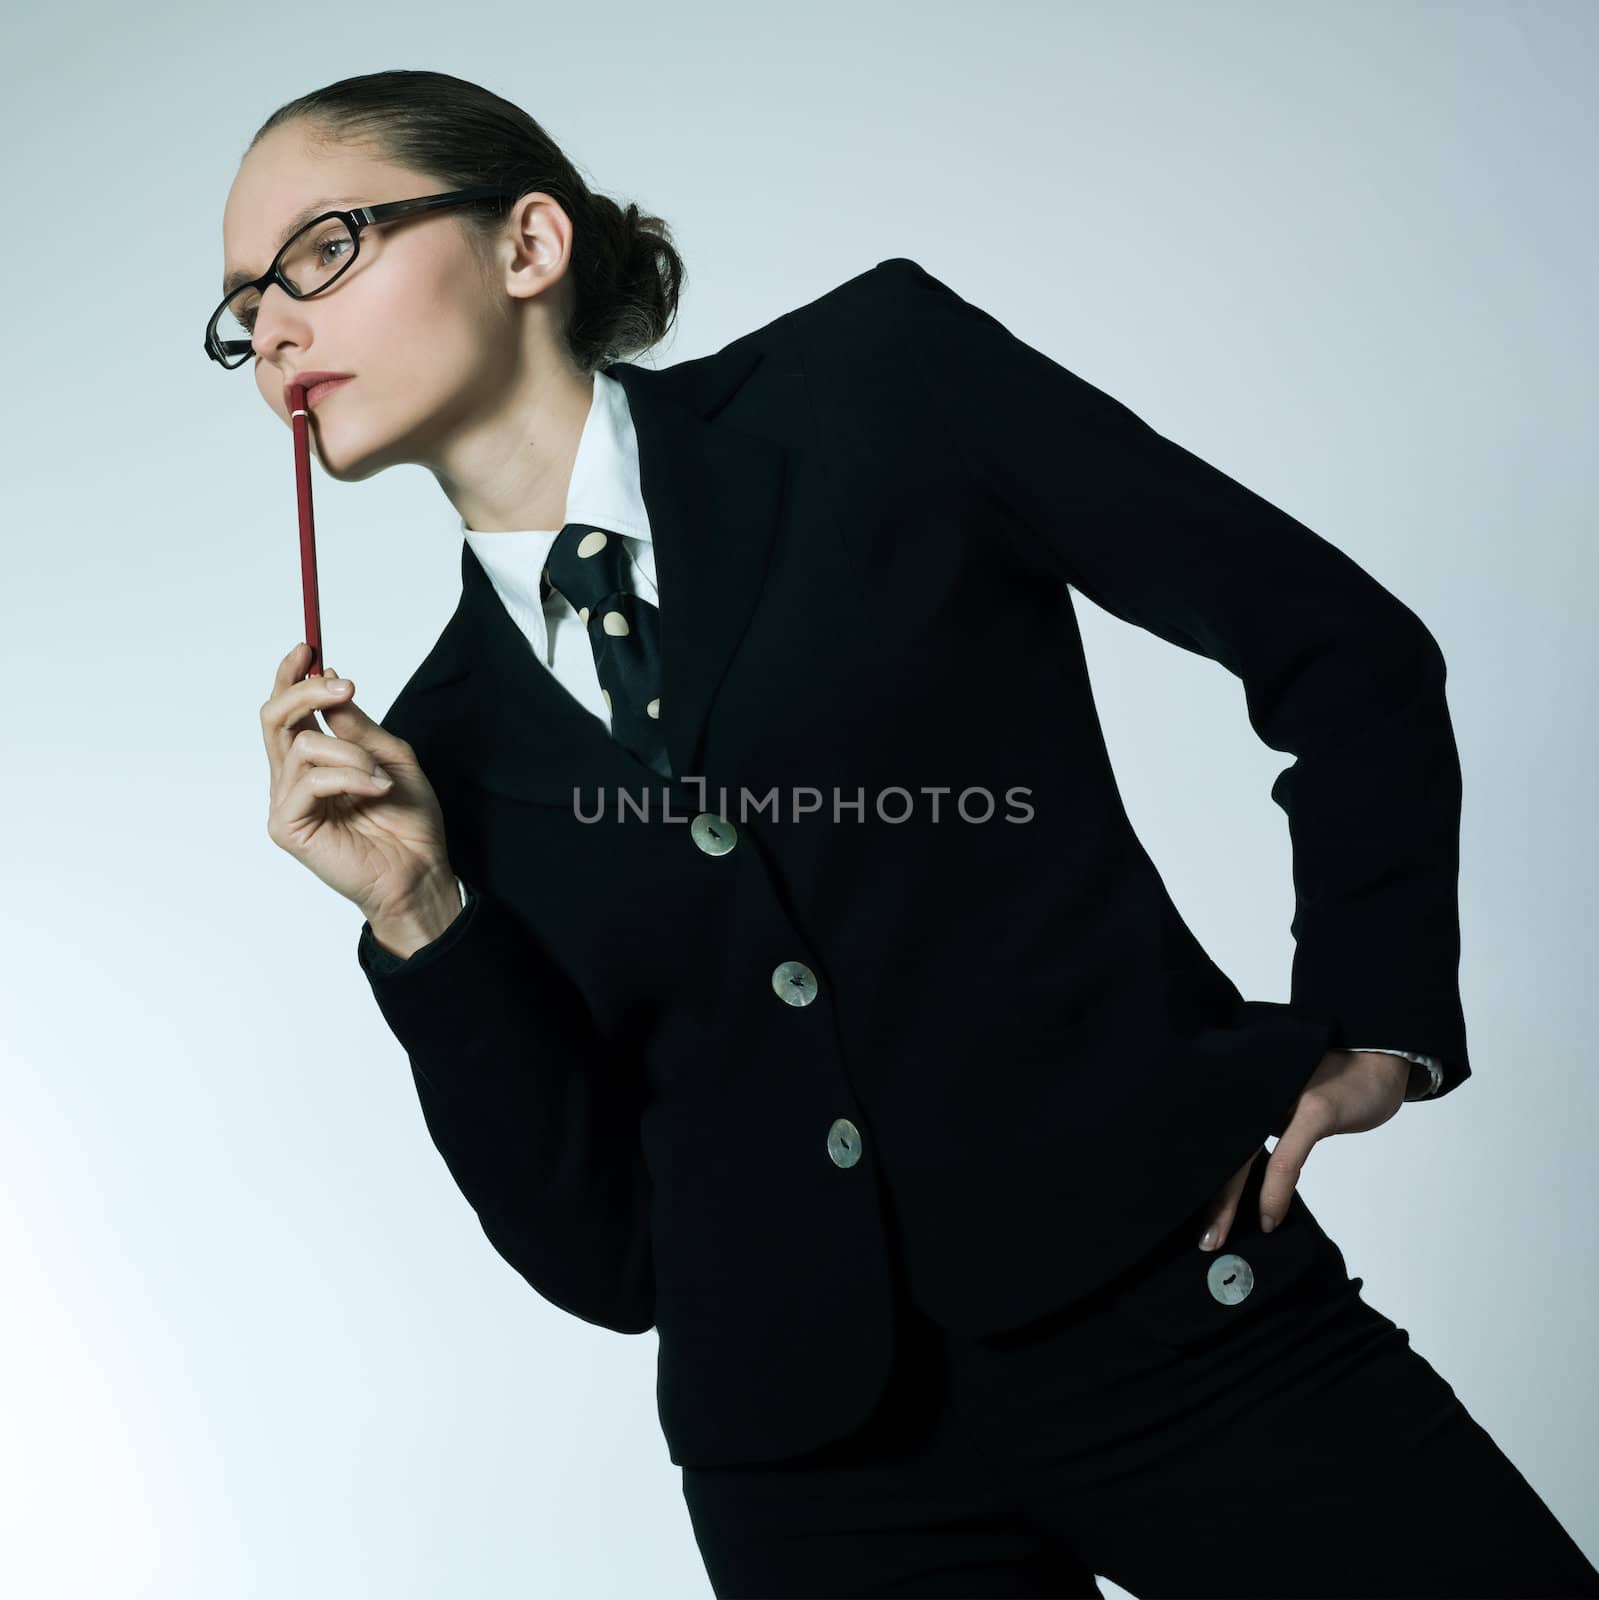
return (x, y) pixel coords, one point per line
(1175, 1440)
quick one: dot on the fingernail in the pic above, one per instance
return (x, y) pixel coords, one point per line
(1208, 1238)
(1267, 1224)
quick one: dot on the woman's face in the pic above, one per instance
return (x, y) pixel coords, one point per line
(431, 338)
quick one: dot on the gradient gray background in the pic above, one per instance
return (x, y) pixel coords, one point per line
(254, 1343)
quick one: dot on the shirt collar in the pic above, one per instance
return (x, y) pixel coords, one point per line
(604, 489)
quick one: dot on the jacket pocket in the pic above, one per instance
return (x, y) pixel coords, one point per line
(1182, 1296)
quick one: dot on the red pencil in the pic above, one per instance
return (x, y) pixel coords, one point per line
(298, 421)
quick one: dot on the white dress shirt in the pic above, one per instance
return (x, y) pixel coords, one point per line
(605, 491)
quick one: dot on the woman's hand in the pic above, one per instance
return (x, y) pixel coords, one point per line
(379, 843)
(1351, 1091)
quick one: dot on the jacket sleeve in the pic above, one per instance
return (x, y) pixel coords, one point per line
(537, 1121)
(1337, 671)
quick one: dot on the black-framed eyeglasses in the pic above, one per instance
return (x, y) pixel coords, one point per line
(314, 259)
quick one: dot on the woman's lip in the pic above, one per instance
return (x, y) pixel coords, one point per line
(326, 386)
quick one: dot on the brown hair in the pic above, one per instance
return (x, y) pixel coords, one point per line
(627, 275)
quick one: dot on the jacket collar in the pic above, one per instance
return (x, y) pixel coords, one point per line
(480, 704)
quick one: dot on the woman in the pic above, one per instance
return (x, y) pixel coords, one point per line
(898, 1113)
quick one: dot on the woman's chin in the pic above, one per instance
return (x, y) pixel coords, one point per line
(346, 465)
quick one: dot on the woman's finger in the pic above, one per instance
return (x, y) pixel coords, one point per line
(1224, 1208)
(1287, 1162)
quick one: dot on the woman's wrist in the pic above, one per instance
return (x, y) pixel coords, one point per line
(435, 904)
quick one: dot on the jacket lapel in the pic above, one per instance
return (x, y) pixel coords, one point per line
(480, 704)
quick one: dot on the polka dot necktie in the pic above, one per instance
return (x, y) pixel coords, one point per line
(588, 567)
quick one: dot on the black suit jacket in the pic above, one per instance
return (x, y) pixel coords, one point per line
(1000, 1012)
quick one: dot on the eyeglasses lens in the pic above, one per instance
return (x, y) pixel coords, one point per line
(315, 256)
